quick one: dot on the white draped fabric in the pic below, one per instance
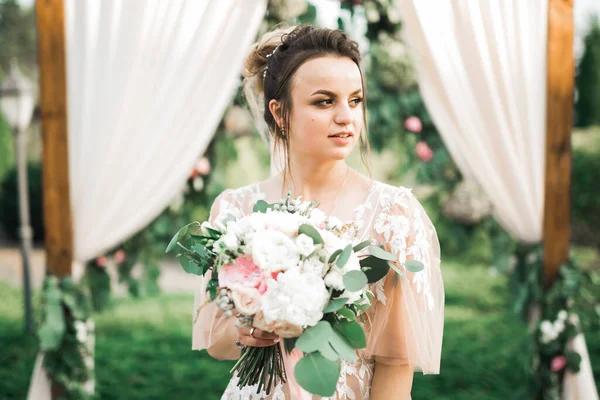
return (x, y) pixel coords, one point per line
(482, 74)
(147, 84)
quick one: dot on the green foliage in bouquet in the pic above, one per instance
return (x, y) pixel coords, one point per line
(64, 335)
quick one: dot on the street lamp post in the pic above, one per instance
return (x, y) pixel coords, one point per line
(17, 102)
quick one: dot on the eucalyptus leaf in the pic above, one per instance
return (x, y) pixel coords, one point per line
(190, 266)
(311, 232)
(334, 256)
(335, 304)
(342, 347)
(381, 253)
(173, 243)
(378, 268)
(414, 266)
(355, 281)
(398, 270)
(261, 206)
(347, 313)
(344, 256)
(362, 245)
(353, 332)
(314, 337)
(318, 375)
(328, 352)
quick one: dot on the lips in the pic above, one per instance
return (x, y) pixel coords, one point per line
(342, 135)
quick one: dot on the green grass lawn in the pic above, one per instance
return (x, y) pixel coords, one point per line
(143, 347)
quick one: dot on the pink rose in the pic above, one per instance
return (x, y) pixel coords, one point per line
(259, 323)
(120, 256)
(101, 261)
(246, 300)
(423, 151)
(413, 124)
(558, 363)
(242, 272)
(203, 166)
(193, 174)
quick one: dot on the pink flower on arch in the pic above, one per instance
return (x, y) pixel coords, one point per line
(101, 261)
(423, 151)
(242, 272)
(120, 256)
(413, 124)
(558, 363)
(203, 166)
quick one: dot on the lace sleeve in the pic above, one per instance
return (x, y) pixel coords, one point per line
(209, 325)
(407, 319)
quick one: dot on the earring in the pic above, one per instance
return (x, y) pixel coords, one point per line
(282, 130)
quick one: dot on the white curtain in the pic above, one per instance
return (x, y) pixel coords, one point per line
(147, 84)
(482, 74)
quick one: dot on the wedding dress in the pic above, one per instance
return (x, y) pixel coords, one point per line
(405, 323)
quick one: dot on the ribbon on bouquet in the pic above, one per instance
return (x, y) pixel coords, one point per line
(289, 361)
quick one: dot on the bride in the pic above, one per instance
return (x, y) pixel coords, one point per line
(308, 86)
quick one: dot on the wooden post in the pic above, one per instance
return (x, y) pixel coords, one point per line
(55, 156)
(559, 115)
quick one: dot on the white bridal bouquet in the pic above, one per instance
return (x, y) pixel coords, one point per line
(286, 268)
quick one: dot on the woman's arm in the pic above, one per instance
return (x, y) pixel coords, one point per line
(392, 382)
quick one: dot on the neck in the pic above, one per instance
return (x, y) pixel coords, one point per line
(315, 180)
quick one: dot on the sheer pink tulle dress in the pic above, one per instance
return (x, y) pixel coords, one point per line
(405, 324)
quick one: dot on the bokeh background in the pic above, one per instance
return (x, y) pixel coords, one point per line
(143, 301)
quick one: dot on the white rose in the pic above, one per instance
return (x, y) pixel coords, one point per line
(546, 327)
(562, 315)
(335, 279)
(333, 223)
(393, 15)
(230, 241)
(80, 331)
(305, 245)
(198, 184)
(559, 326)
(371, 13)
(353, 263)
(274, 251)
(246, 300)
(317, 217)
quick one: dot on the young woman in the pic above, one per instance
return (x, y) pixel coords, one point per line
(308, 86)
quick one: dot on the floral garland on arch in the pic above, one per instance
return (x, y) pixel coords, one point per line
(66, 336)
(552, 316)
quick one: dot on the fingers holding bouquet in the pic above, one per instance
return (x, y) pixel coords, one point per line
(254, 337)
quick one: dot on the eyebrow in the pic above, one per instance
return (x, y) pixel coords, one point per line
(330, 93)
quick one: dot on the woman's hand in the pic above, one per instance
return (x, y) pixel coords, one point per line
(256, 338)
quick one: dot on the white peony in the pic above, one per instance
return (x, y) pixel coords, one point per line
(273, 251)
(305, 245)
(284, 222)
(314, 266)
(295, 298)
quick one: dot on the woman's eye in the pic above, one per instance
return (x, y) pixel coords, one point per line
(357, 100)
(324, 102)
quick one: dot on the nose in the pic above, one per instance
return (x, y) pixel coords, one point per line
(343, 115)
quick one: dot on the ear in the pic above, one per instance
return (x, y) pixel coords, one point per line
(276, 111)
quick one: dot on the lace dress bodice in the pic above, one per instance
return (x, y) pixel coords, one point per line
(404, 325)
